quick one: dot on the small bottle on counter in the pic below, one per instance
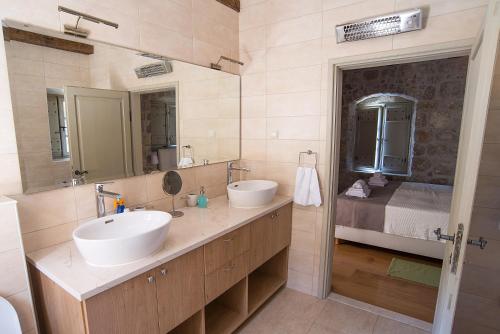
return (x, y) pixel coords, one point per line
(202, 199)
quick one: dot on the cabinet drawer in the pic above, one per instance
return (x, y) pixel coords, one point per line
(226, 248)
(226, 276)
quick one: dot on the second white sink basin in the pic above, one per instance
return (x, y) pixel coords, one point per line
(122, 238)
(251, 193)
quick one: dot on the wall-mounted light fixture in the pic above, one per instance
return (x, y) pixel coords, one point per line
(216, 66)
(79, 32)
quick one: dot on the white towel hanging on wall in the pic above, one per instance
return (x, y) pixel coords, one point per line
(307, 187)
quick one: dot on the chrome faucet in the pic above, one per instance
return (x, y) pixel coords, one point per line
(230, 169)
(100, 193)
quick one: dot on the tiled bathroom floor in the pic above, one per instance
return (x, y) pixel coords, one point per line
(292, 312)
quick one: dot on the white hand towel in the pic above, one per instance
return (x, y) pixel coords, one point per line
(186, 162)
(307, 187)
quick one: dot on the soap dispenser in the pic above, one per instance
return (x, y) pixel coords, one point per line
(202, 199)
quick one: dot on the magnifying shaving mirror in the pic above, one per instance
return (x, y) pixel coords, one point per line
(172, 184)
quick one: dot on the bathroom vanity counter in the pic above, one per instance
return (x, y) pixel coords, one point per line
(64, 265)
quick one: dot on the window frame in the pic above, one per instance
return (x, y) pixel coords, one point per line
(381, 101)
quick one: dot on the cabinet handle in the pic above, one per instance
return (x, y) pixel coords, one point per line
(275, 215)
(163, 271)
(151, 279)
(228, 240)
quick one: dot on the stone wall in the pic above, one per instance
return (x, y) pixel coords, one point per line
(439, 87)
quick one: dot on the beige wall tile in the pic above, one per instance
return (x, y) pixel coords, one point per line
(22, 304)
(444, 28)
(293, 104)
(253, 149)
(299, 281)
(294, 55)
(301, 261)
(301, 29)
(303, 241)
(287, 81)
(48, 237)
(283, 173)
(160, 39)
(253, 39)
(253, 106)
(9, 227)
(179, 16)
(254, 128)
(440, 7)
(288, 150)
(255, 61)
(280, 10)
(85, 198)
(253, 84)
(46, 209)
(306, 128)
(253, 16)
(12, 280)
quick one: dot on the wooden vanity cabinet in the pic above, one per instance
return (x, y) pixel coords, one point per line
(269, 235)
(130, 307)
(212, 289)
(179, 289)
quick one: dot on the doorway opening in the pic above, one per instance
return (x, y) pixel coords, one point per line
(397, 150)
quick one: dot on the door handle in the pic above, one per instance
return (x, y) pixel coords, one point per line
(481, 242)
(440, 236)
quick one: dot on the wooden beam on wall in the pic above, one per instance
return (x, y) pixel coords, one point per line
(234, 4)
(13, 34)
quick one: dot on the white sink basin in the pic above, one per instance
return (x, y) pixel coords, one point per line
(122, 238)
(251, 193)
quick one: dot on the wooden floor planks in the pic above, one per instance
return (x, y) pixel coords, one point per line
(360, 272)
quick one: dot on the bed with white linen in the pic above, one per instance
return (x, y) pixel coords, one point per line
(410, 216)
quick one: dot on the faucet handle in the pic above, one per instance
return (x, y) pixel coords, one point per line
(100, 185)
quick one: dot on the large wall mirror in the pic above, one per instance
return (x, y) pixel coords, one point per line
(116, 112)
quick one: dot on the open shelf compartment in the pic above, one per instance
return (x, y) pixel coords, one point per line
(193, 325)
(228, 311)
(264, 281)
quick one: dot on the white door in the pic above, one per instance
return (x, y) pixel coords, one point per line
(99, 131)
(479, 79)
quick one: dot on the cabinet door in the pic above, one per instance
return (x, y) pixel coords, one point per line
(180, 289)
(283, 227)
(128, 308)
(269, 235)
(261, 241)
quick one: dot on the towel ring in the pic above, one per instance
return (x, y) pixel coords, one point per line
(308, 152)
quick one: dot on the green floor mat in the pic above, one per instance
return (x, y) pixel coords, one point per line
(414, 271)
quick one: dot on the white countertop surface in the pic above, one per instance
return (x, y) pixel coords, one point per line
(65, 266)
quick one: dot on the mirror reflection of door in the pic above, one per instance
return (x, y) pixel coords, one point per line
(100, 137)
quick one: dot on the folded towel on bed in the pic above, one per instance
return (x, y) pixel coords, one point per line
(378, 180)
(359, 189)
